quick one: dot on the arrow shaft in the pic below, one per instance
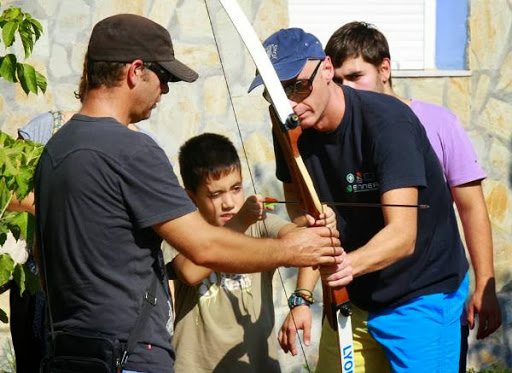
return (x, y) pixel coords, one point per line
(357, 204)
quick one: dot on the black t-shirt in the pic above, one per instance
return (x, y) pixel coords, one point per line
(380, 145)
(99, 188)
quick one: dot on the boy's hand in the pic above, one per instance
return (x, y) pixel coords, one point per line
(299, 318)
(253, 210)
(326, 219)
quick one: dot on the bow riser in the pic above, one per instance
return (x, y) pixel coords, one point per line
(287, 140)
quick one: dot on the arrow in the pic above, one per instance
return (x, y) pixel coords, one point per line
(269, 201)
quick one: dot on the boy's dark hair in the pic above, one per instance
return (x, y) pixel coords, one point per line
(356, 39)
(207, 156)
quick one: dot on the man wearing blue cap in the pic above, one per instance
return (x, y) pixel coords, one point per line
(409, 266)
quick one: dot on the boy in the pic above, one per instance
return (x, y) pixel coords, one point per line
(224, 322)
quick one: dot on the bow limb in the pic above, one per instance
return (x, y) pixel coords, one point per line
(262, 62)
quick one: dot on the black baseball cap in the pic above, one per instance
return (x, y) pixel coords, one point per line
(127, 37)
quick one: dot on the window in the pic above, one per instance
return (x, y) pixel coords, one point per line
(422, 34)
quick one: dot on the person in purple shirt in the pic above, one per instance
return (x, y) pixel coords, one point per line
(361, 58)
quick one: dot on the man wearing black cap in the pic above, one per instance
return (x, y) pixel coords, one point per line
(106, 195)
(409, 265)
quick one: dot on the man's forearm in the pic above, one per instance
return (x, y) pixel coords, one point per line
(223, 250)
(307, 278)
(386, 247)
(477, 231)
(393, 242)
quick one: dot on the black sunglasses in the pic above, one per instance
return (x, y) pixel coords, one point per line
(297, 90)
(163, 75)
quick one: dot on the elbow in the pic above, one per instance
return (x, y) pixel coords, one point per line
(186, 271)
(407, 236)
(201, 258)
(193, 282)
(408, 246)
(190, 279)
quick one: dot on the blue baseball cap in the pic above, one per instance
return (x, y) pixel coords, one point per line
(288, 50)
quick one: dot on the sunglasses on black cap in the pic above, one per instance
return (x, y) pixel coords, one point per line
(163, 75)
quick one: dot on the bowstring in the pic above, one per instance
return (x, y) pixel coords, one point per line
(251, 176)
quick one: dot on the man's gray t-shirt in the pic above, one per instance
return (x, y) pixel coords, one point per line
(100, 187)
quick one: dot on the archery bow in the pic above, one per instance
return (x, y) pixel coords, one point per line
(287, 130)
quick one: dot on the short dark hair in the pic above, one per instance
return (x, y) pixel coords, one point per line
(98, 73)
(207, 156)
(356, 39)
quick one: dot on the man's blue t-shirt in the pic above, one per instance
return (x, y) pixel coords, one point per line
(99, 189)
(380, 145)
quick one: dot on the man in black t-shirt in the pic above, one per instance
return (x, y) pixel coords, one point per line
(409, 265)
(106, 196)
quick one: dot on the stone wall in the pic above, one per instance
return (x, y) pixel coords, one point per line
(483, 101)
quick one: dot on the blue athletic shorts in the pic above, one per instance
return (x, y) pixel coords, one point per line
(422, 335)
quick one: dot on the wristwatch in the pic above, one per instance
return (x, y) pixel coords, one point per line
(296, 300)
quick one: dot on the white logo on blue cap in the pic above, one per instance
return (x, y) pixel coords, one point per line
(271, 50)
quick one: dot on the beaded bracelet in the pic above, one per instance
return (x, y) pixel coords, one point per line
(307, 297)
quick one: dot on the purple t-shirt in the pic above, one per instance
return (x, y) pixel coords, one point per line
(450, 142)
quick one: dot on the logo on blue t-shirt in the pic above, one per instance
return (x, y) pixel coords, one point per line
(361, 181)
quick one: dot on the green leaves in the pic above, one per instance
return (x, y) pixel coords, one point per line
(13, 71)
(41, 81)
(18, 161)
(18, 158)
(8, 68)
(6, 268)
(30, 30)
(14, 21)
(27, 76)
(23, 276)
(8, 31)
